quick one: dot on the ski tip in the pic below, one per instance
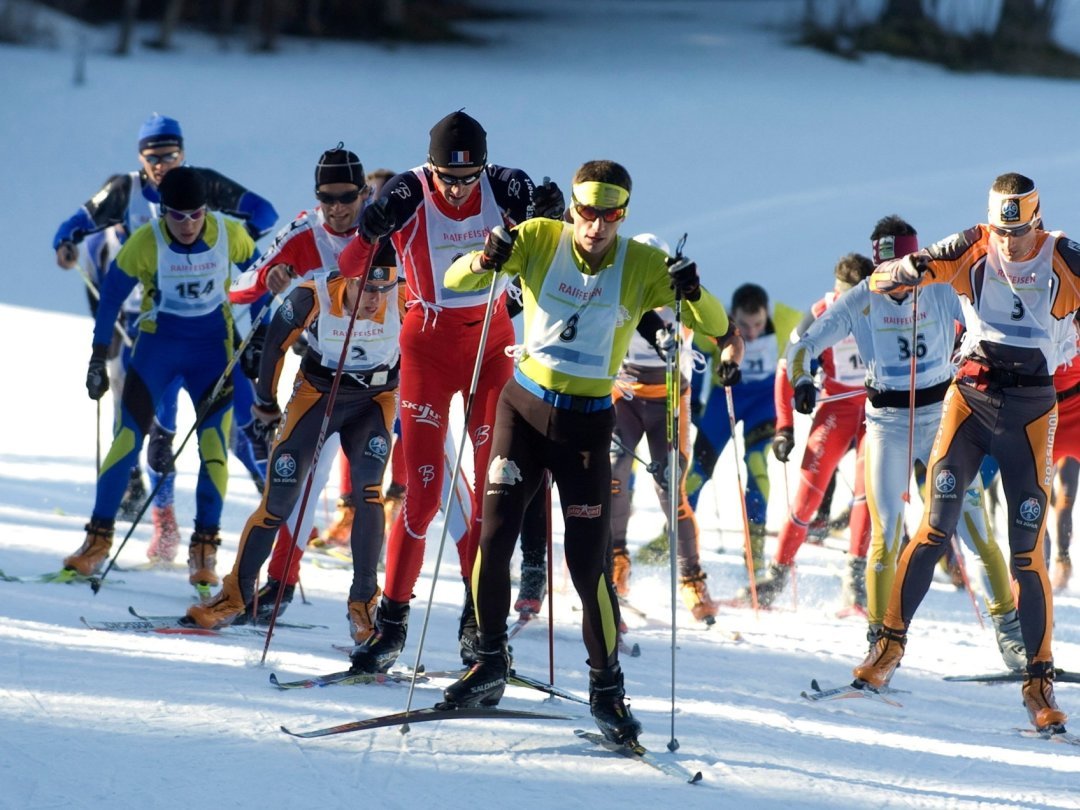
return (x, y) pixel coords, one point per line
(693, 780)
(274, 680)
(814, 685)
(635, 651)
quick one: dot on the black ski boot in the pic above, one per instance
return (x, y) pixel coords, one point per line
(467, 629)
(260, 608)
(485, 681)
(608, 705)
(379, 652)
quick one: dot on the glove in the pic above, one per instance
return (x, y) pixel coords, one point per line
(911, 269)
(805, 397)
(252, 356)
(547, 200)
(97, 377)
(783, 443)
(665, 340)
(729, 374)
(377, 220)
(67, 254)
(267, 418)
(497, 248)
(684, 278)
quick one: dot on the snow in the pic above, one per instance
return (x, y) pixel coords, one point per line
(775, 160)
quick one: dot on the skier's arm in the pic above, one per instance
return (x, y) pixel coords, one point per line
(285, 328)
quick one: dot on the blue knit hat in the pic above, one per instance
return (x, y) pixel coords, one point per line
(159, 130)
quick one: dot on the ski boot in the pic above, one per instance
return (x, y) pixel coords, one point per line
(221, 610)
(165, 541)
(1010, 641)
(1062, 572)
(340, 532)
(695, 594)
(853, 584)
(620, 571)
(532, 591)
(379, 652)
(262, 607)
(134, 496)
(202, 559)
(607, 703)
(1038, 693)
(94, 550)
(362, 617)
(884, 657)
(467, 629)
(485, 681)
(768, 587)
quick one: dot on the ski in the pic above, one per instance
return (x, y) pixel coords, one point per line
(1060, 675)
(184, 622)
(632, 749)
(1055, 734)
(516, 679)
(427, 715)
(347, 677)
(523, 619)
(169, 626)
(851, 690)
(64, 576)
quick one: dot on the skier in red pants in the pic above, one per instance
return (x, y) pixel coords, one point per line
(433, 214)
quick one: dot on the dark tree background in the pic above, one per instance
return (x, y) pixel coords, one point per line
(1015, 36)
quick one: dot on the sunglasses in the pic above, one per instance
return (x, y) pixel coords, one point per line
(346, 198)
(168, 157)
(451, 180)
(380, 288)
(186, 216)
(1013, 232)
(590, 213)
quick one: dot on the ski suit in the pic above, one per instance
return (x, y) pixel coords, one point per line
(882, 328)
(439, 341)
(556, 412)
(1001, 403)
(185, 333)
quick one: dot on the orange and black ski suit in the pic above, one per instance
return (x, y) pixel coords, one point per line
(1001, 403)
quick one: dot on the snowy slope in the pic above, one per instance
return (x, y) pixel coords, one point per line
(776, 162)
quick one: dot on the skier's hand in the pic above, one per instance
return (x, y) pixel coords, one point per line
(267, 419)
(729, 374)
(665, 340)
(783, 443)
(547, 200)
(684, 278)
(97, 376)
(66, 255)
(377, 220)
(252, 356)
(279, 277)
(498, 246)
(911, 269)
(805, 397)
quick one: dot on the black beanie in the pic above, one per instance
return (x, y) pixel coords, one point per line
(458, 141)
(339, 165)
(183, 189)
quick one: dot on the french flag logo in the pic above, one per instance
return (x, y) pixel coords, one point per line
(459, 157)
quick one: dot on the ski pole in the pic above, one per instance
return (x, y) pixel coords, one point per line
(747, 549)
(550, 572)
(651, 467)
(328, 412)
(204, 410)
(911, 396)
(124, 336)
(500, 233)
(673, 381)
(858, 392)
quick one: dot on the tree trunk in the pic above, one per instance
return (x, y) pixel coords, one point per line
(1026, 23)
(127, 27)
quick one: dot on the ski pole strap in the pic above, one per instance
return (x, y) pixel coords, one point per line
(902, 399)
(565, 402)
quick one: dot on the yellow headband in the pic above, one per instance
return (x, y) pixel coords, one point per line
(601, 195)
(1013, 210)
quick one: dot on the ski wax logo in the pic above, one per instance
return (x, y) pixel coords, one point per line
(285, 468)
(377, 447)
(1010, 210)
(583, 510)
(945, 484)
(423, 414)
(1029, 513)
(503, 471)
(287, 312)
(621, 316)
(427, 473)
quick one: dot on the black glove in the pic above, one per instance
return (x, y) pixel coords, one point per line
(684, 278)
(377, 220)
(497, 248)
(805, 397)
(665, 341)
(97, 377)
(547, 200)
(265, 424)
(729, 374)
(783, 443)
(252, 356)
(697, 407)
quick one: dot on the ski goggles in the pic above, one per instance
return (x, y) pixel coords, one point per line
(186, 216)
(156, 160)
(345, 198)
(591, 213)
(453, 180)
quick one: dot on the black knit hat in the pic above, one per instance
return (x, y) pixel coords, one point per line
(339, 165)
(458, 141)
(183, 189)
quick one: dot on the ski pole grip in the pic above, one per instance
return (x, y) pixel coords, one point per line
(503, 235)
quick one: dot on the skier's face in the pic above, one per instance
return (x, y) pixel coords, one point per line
(456, 185)
(1014, 248)
(185, 226)
(158, 161)
(593, 235)
(341, 204)
(751, 325)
